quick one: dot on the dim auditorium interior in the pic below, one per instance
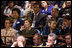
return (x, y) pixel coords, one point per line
(35, 23)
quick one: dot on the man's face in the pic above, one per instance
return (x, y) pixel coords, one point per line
(15, 14)
(36, 8)
(7, 23)
(68, 3)
(53, 24)
(35, 39)
(68, 39)
(50, 40)
(11, 4)
(65, 22)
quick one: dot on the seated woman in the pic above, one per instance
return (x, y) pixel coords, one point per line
(27, 29)
(7, 31)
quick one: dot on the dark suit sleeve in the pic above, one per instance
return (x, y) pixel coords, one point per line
(20, 32)
(40, 20)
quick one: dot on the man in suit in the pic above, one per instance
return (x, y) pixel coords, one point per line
(38, 40)
(68, 39)
(39, 19)
(51, 40)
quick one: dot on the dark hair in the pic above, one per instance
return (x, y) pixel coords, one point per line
(40, 37)
(38, 4)
(29, 19)
(55, 9)
(46, 2)
(10, 2)
(52, 20)
(67, 17)
(9, 20)
(16, 9)
(68, 34)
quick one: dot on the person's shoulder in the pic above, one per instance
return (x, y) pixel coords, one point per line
(57, 45)
(16, 6)
(44, 43)
(21, 19)
(13, 29)
(42, 14)
(6, 7)
(51, 5)
(56, 28)
(2, 29)
(42, 10)
(34, 30)
(61, 46)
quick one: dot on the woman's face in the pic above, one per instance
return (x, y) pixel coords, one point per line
(15, 14)
(7, 23)
(27, 24)
(53, 24)
(54, 13)
(43, 4)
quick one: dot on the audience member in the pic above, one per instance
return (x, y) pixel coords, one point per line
(51, 29)
(38, 40)
(51, 40)
(20, 42)
(46, 8)
(7, 31)
(29, 21)
(17, 21)
(68, 40)
(38, 17)
(27, 29)
(8, 9)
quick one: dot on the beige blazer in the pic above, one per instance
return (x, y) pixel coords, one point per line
(10, 32)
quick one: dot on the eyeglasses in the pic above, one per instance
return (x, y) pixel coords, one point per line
(7, 23)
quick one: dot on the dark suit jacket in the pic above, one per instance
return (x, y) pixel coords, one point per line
(41, 20)
(46, 31)
(26, 32)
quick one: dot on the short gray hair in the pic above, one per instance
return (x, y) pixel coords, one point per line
(52, 35)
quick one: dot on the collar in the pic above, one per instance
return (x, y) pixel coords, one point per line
(41, 45)
(68, 46)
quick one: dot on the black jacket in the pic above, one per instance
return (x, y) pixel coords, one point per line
(26, 32)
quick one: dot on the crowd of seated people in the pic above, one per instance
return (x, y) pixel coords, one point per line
(49, 23)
